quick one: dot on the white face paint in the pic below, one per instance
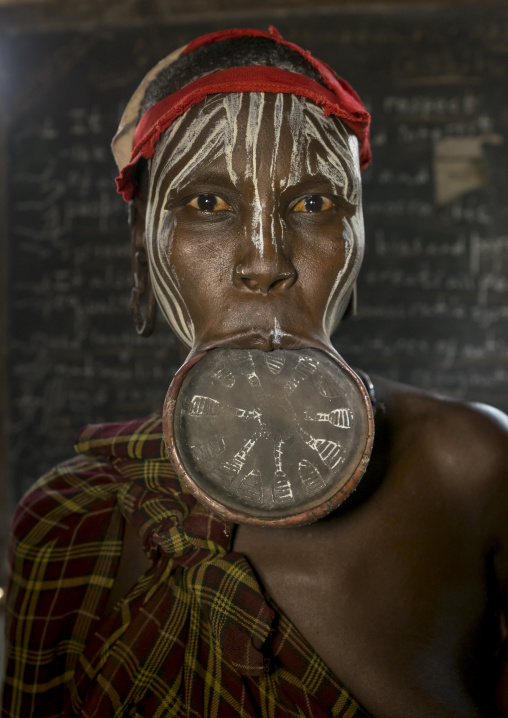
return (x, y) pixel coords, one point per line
(233, 132)
(256, 106)
(327, 148)
(186, 156)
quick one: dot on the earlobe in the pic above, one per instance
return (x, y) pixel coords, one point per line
(144, 323)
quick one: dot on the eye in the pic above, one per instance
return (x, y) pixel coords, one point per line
(209, 203)
(313, 203)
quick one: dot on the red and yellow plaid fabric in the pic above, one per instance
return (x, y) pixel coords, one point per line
(195, 636)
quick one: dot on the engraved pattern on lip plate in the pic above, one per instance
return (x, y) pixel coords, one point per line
(271, 434)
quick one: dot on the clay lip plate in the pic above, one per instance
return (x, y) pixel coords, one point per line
(277, 438)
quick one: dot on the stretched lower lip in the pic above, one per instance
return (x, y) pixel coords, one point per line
(264, 342)
(255, 340)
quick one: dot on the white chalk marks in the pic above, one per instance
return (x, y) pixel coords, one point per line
(231, 134)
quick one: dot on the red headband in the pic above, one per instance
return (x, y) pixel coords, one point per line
(339, 100)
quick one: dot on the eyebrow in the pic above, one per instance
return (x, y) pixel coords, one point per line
(309, 180)
(213, 181)
(313, 183)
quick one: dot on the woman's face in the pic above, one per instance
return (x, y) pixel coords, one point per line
(254, 228)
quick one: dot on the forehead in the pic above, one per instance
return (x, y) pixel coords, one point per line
(237, 130)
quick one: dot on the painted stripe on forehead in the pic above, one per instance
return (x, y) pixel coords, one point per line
(296, 122)
(233, 107)
(278, 113)
(255, 116)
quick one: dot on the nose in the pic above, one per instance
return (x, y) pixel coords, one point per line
(263, 279)
(264, 267)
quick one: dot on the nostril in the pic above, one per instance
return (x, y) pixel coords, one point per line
(284, 280)
(264, 283)
(251, 283)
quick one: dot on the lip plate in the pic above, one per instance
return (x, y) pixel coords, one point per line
(313, 511)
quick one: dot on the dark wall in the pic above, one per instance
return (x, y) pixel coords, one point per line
(433, 294)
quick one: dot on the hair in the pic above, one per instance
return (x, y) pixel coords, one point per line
(233, 52)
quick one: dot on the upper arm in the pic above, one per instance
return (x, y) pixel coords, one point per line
(495, 518)
(501, 571)
(469, 449)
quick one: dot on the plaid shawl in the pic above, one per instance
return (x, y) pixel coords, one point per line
(195, 636)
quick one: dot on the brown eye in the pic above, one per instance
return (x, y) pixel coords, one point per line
(313, 203)
(209, 203)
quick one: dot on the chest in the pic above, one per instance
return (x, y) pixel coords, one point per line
(392, 593)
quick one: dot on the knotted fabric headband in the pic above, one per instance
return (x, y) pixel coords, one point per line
(337, 98)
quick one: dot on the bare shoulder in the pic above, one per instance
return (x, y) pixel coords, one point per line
(463, 444)
(461, 419)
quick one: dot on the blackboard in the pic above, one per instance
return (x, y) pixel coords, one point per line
(433, 294)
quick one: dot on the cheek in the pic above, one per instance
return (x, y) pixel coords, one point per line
(346, 274)
(319, 261)
(201, 263)
(165, 282)
(160, 231)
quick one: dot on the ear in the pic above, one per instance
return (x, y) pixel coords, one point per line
(137, 216)
(141, 275)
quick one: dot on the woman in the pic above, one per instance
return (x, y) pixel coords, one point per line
(241, 157)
